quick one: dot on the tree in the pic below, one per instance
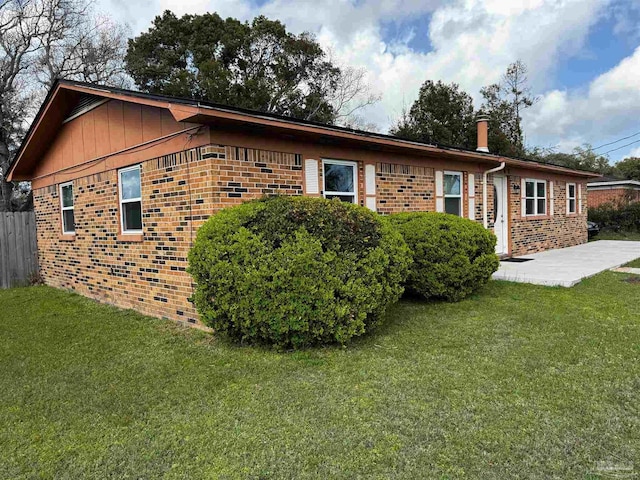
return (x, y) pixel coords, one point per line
(582, 158)
(629, 168)
(504, 102)
(442, 114)
(258, 65)
(40, 41)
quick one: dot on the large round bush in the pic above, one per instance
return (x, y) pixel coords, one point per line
(452, 256)
(296, 271)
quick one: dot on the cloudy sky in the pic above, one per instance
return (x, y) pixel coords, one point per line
(583, 55)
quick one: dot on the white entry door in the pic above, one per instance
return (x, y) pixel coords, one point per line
(500, 208)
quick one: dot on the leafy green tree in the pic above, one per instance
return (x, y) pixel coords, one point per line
(582, 158)
(504, 103)
(257, 65)
(442, 114)
(629, 168)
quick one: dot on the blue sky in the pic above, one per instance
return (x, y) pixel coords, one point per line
(583, 55)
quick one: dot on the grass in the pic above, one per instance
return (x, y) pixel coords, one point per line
(609, 235)
(517, 381)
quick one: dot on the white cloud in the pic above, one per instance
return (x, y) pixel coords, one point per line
(635, 152)
(472, 42)
(603, 112)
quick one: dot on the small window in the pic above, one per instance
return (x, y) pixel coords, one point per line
(453, 193)
(536, 197)
(130, 199)
(340, 180)
(66, 206)
(571, 198)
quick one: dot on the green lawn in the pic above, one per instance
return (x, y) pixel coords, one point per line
(518, 381)
(607, 235)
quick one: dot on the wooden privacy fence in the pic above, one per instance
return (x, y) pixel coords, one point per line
(18, 248)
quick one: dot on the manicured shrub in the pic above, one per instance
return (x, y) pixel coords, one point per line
(452, 256)
(617, 217)
(296, 271)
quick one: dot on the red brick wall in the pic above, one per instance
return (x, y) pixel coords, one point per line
(179, 192)
(535, 234)
(615, 196)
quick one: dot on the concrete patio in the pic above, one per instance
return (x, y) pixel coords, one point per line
(567, 266)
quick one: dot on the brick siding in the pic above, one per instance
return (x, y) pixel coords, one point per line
(181, 191)
(531, 235)
(614, 196)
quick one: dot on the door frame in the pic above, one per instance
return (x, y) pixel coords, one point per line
(504, 196)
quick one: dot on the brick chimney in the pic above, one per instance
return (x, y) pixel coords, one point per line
(483, 133)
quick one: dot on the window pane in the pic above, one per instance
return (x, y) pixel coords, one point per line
(343, 198)
(338, 178)
(572, 191)
(530, 189)
(67, 196)
(531, 207)
(542, 189)
(68, 221)
(572, 206)
(452, 205)
(452, 184)
(130, 184)
(542, 207)
(132, 215)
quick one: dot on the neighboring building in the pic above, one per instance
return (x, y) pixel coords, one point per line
(122, 180)
(614, 191)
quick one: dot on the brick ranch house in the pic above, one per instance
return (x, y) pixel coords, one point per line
(614, 191)
(122, 180)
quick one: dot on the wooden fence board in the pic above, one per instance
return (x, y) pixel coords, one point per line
(18, 248)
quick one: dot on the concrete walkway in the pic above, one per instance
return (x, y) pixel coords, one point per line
(567, 266)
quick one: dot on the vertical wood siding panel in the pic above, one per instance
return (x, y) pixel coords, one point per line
(116, 125)
(101, 128)
(132, 114)
(88, 135)
(151, 124)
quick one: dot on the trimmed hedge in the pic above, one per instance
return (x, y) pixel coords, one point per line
(617, 217)
(452, 256)
(296, 271)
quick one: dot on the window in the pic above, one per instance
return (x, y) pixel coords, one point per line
(340, 180)
(571, 198)
(536, 197)
(453, 193)
(130, 199)
(66, 206)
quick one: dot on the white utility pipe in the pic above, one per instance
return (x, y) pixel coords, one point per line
(484, 192)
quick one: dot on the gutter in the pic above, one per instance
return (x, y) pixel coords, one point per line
(484, 191)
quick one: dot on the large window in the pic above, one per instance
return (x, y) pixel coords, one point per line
(453, 193)
(571, 198)
(340, 180)
(130, 199)
(536, 197)
(66, 206)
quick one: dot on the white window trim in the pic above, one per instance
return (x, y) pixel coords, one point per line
(129, 200)
(354, 194)
(574, 198)
(63, 209)
(449, 195)
(535, 197)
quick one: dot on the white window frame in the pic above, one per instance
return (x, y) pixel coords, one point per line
(535, 197)
(574, 198)
(63, 209)
(354, 194)
(129, 200)
(448, 195)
